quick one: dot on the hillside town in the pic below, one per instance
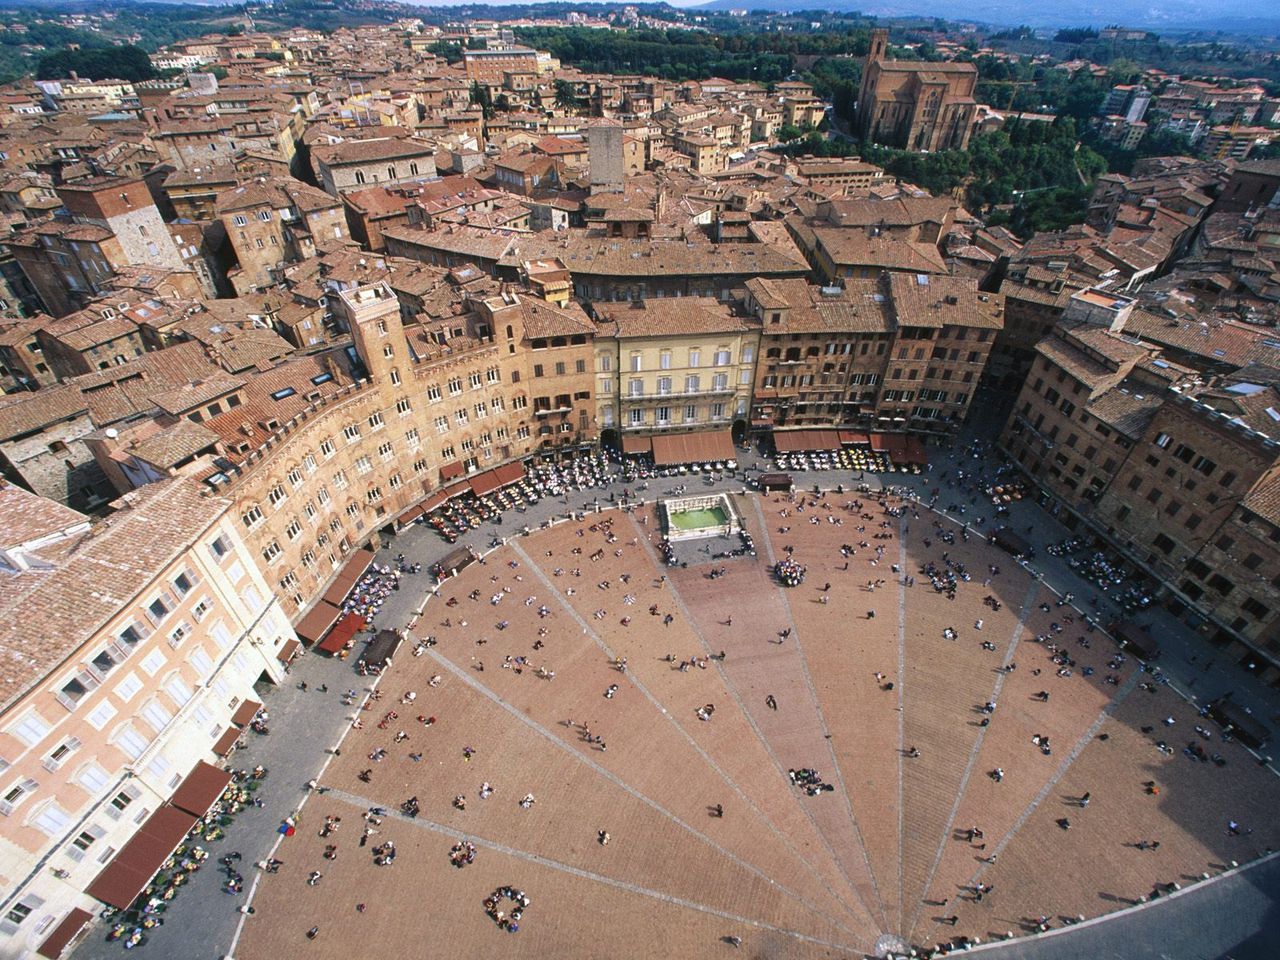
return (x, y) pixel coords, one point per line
(261, 314)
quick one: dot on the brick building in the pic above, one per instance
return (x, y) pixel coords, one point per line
(915, 104)
(353, 164)
(900, 353)
(275, 221)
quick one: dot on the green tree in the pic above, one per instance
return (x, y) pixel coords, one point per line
(566, 96)
(481, 98)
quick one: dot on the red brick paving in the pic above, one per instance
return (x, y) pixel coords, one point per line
(794, 876)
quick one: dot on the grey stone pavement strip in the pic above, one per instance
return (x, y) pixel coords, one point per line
(657, 704)
(305, 726)
(902, 717)
(817, 706)
(423, 823)
(749, 716)
(1231, 916)
(1032, 590)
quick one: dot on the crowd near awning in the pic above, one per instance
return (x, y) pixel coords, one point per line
(201, 789)
(795, 441)
(131, 869)
(705, 446)
(72, 925)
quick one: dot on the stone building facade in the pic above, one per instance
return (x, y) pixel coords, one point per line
(139, 638)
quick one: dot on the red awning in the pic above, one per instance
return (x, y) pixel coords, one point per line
(351, 571)
(132, 868)
(789, 441)
(287, 652)
(914, 452)
(702, 447)
(201, 789)
(853, 436)
(245, 712)
(318, 620)
(451, 471)
(637, 445)
(225, 742)
(410, 515)
(56, 943)
(486, 482)
(510, 472)
(346, 628)
(878, 442)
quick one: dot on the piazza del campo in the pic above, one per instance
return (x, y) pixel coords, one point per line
(641, 481)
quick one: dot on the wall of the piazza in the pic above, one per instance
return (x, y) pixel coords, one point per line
(351, 466)
(93, 764)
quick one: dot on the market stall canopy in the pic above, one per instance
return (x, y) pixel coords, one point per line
(381, 648)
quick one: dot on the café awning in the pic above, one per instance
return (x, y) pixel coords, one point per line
(451, 471)
(287, 652)
(854, 437)
(704, 446)
(344, 630)
(130, 870)
(245, 712)
(226, 742)
(56, 943)
(914, 452)
(201, 789)
(794, 441)
(486, 482)
(510, 472)
(633, 446)
(410, 515)
(352, 570)
(317, 622)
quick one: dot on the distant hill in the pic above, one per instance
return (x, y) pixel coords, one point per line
(1251, 16)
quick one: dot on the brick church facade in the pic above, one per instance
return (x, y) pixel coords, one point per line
(915, 104)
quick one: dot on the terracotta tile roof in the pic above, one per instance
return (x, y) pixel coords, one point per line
(370, 151)
(47, 615)
(852, 247)
(922, 300)
(671, 316)
(26, 412)
(1126, 411)
(173, 443)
